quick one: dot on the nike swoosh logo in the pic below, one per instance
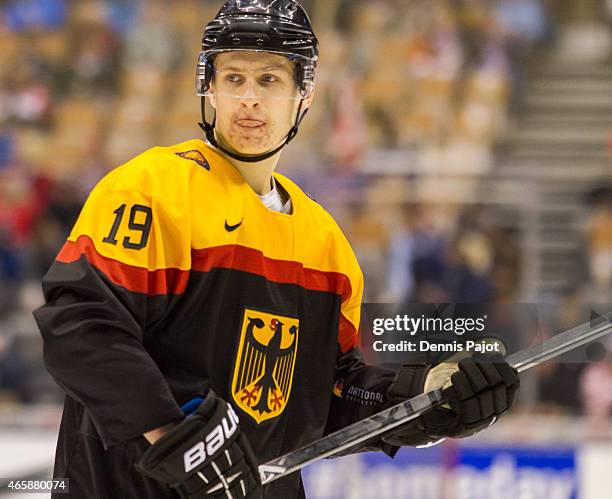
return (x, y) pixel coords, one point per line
(232, 228)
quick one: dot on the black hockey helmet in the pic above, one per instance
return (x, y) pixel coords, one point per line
(275, 26)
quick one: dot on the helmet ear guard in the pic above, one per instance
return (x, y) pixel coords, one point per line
(204, 72)
(304, 77)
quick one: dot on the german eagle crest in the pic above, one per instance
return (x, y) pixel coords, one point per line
(263, 371)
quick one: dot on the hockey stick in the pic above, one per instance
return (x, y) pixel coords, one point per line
(411, 409)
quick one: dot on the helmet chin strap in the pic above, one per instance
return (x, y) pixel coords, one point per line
(209, 130)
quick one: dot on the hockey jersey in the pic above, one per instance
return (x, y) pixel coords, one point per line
(176, 279)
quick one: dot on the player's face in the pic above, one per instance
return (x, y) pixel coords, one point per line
(256, 99)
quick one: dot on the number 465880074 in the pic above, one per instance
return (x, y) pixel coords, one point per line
(144, 227)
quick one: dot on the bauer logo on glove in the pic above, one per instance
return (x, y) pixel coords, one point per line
(213, 441)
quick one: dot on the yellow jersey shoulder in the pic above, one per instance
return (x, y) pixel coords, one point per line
(141, 213)
(161, 169)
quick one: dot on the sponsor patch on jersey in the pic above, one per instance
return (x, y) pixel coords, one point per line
(364, 397)
(265, 360)
(195, 155)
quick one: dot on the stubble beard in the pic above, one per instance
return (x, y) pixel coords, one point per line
(253, 141)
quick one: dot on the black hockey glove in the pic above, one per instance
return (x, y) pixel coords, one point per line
(206, 455)
(482, 388)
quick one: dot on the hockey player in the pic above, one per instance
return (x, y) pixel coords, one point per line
(198, 281)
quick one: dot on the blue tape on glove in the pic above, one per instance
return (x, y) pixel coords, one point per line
(191, 406)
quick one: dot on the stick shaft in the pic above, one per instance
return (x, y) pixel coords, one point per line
(557, 345)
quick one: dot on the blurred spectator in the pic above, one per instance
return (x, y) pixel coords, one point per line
(467, 263)
(22, 15)
(559, 387)
(471, 262)
(434, 63)
(10, 269)
(346, 143)
(25, 95)
(54, 225)
(13, 372)
(559, 390)
(598, 232)
(10, 274)
(401, 257)
(22, 198)
(7, 147)
(521, 21)
(506, 267)
(154, 41)
(369, 241)
(95, 60)
(428, 265)
(596, 391)
(122, 15)
(521, 24)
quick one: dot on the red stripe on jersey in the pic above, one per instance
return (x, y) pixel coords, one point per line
(135, 279)
(173, 280)
(281, 271)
